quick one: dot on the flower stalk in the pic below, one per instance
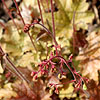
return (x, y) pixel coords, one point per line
(40, 11)
(24, 25)
(5, 56)
(9, 13)
(53, 22)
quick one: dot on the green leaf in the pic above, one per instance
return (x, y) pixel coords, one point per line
(64, 17)
(67, 91)
(27, 59)
(84, 87)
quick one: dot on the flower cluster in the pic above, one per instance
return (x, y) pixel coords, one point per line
(56, 64)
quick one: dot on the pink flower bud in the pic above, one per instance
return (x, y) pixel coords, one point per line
(35, 77)
(26, 28)
(56, 90)
(33, 73)
(7, 74)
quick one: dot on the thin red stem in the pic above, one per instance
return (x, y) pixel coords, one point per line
(65, 82)
(3, 1)
(42, 5)
(74, 35)
(24, 24)
(1, 51)
(16, 70)
(2, 25)
(32, 42)
(19, 12)
(66, 62)
(47, 4)
(13, 66)
(53, 22)
(40, 11)
(48, 31)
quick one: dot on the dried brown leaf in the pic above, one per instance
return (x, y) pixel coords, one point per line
(89, 57)
(35, 91)
(94, 90)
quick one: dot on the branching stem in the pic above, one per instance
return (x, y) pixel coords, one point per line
(48, 31)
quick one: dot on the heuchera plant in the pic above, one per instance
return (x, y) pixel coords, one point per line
(55, 63)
